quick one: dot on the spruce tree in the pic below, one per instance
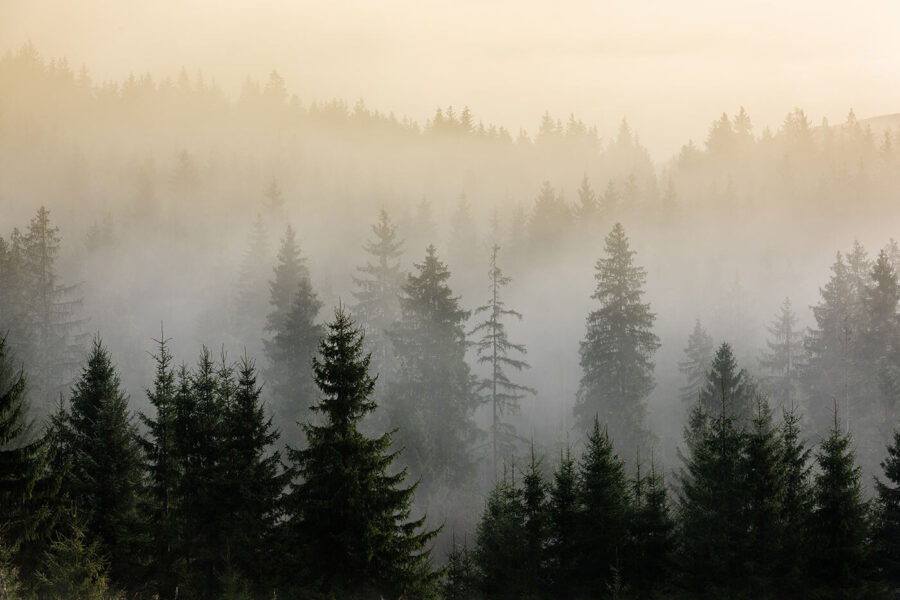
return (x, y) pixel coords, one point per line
(106, 476)
(349, 515)
(616, 354)
(432, 400)
(251, 298)
(494, 350)
(652, 536)
(797, 505)
(563, 528)
(461, 578)
(840, 561)
(783, 360)
(586, 210)
(379, 287)
(550, 220)
(162, 473)
(730, 387)
(887, 522)
(698, 357)
(500, 542)
(604, 502)
(294, 336)
(535, 522)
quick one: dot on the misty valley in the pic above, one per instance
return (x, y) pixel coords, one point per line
(258, 346)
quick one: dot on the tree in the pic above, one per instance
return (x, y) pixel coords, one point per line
(797, 506)
(379, 288)
(616, 353)
(494, 349)
(346, 511)
(295, 334)
(432, 399)
(652, 535)
(698, 357)
(839, 557)
(251, 299)
(550, 220)
(587, 209)
(500, 542)
(563, 525)
(461, 579)
(535, 517)
(783, 360)
(887, 522)
(728, 387)
(604, 502)
(73, 567)
(105, 479)
(163, 473)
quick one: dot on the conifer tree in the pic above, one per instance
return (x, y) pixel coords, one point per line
(797, 505)
(550, 220)
(535, 517)
(698, 357)
(616, 354)
(295, 334)
(105, 479)
(604, 502)
(586, 210)
(346, 510)
(461, 579)
(730, 387)
(652, 536)
(500, 542)
(379, 288)
(494, 350)
(783, 360)
(840, 561)
(163, 473)
(252, 299)
(887, 522)
(432, 400)
(563, 525)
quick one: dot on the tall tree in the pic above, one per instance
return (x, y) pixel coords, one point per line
(564, 521)
(251, 299)
(887, 522)
(500, 542)
(535, 514)
(494, 350)
(432, 399)
(698, 357)
(550, 220)
(379, 288)
(730, 387)
(295, 334)
(105, 479)
(587, 209)
(652, 535)
(796, 509)
(783, 360)
(347, 512)
(616, 354)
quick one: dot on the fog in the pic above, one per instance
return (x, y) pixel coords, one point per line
(741, 149)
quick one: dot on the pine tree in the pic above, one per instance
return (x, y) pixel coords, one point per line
(163, 473)
(698, 357)
(73, 567)
(587, 210)
(652, 535)
(461, 579)
(253, 481)
(550, 220)
(603, 513)
(616, 354)
(783, 361)
(797, 505)
(887, 523)
(295, 334)
(839, 557)
(500, 542)
(535, 517)
(379, 288)
(105, 479)
(347, 512)
(494, 349)
(563, 522)
(727, 385)
(432, 400)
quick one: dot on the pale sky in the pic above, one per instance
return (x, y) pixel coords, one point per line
(670, 67)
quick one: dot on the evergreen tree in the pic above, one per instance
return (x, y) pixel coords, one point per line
(563, 524)
(379, 287)
(784, 357)
(840, 563)
(295, 334)
(461, 579)
(587, 210)
(616, 354)
(105, 479)
(162, 473)
(796, 509)
(698, 357)
(535, 517)
(347, 512)
(604, 502)
(550, 220)
(251, 299)
(500, 543)
(652, 533)
(73, 568)
(432, 400)
(729, 387)
(887, 524)
(494, 349)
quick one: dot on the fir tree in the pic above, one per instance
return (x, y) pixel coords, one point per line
(350, 515)
(461, 579)
(887, 524)
(494, 349)
(698, 357)
(550, 220)
(251, 298)
(616, 354)
(563, 526)
(729, 387)
(586, 210)
(797, 505)
(652, 533)
(432, 400)
(783, 360)
(379, 288)
(535, 522)
(73, 567)
(105, 479)
(840, 563)
(500, 542)
(603, 512)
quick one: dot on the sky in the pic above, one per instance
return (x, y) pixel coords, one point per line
(669, 67)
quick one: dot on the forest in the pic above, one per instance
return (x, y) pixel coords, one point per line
(261, 347)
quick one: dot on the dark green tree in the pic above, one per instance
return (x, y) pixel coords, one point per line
(616, 354)
(796, 509)
(563, 528)
(500, 542)
(462, 580)
(651, 546)
(494, 350)
(347, 512)
(784, 358)
(698, 356)
(105, 481)
(887, 523)
(730, 387)
(535, 512)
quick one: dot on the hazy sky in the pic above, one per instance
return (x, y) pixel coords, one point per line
(670, 66)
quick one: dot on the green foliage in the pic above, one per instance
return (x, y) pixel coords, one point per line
(563, 517)
(698, 357)
(500, 542)
(728, 389)
(887, 522)
(462, 580)
(73, 569)
(349, 515)
(616, 354)
(650, 552)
